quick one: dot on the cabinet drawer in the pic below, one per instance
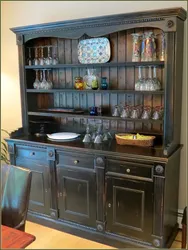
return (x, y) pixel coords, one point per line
(31, 153)
(131, 169)
(75, 159)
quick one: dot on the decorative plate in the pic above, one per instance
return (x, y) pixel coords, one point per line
(63, 136)
(95, 50)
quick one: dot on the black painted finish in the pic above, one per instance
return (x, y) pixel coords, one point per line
(118, 195)
(129, 207)
(35, 160)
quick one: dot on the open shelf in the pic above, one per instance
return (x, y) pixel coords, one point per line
(105, 117)
(114, 64)
(159, 92)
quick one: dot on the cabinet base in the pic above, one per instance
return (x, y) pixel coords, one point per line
(91, 233)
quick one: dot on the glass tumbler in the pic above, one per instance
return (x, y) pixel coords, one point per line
(136, 47)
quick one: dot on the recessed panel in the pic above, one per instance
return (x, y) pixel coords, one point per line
(76, 196)
(128, 210)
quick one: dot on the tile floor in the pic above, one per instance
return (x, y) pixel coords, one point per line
(48, 238)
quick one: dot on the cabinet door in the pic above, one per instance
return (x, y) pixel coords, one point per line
(77, 195)
(129, 207)
(40, 192)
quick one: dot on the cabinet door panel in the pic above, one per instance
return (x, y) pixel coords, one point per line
(129, 207)
(40, 193)
(77, 196)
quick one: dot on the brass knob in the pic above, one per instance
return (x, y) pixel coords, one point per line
(128, 170)
(76, 162)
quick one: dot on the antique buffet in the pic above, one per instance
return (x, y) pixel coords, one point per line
(116, 82)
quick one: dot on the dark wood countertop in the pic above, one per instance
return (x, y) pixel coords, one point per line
(110, 148)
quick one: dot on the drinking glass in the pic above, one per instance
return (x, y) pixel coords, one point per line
(29, 60)
(149, 46)
(143, 82)
(48, 60)
(146, 112)
(135, 113)
(55, 59)
(150, 84)
(143, 47)
(136, 47)
(41, 59)
(44, 83)
(99, 137)
(36, 59)
(157, 83)
(125, 112)
(49, 82)
(36, 84)
(116, 111)
(162, 52)
(140, 80)
(87, 137)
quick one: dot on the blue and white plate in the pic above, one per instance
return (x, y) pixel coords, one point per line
(95, 50)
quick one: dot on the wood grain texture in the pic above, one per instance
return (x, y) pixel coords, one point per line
(13, 238)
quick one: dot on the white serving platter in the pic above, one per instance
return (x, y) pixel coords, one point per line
(63, 136)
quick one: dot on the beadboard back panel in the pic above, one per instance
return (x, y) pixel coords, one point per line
(118, 77)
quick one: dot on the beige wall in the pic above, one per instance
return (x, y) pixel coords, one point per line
(18, 13)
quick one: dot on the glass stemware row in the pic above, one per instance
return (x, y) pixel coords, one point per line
(41, 82)
(150, 83)
(136, 112)
(40, 59)
(97, 134)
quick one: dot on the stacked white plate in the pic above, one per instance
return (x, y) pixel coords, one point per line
(63, 136)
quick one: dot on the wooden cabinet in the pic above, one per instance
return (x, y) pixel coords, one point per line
(77, 195)
(35, 160)
(125, 196)
(76, 188)
(129, 207)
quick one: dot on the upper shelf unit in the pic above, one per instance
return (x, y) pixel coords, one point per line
(78, 65)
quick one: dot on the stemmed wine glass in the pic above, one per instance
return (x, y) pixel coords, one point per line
(44, 83)
(36, 60)
(87, 137)
(49, 82)
(41, 59)
(29, 60)
(36, 84)
(149, 82)
(49, 58)
(157, 83)
(143, 82)
(140, 80)
(55, 59)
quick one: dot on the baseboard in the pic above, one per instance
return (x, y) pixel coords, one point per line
(180, 216)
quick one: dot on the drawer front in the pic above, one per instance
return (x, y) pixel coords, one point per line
(75, 159)
(130, 169)
(31, 153)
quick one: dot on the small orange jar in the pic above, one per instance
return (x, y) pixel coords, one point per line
(78, 83)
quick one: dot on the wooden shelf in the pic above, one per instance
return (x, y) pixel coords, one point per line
(118, 64)
(159, 92)
(105, 117)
